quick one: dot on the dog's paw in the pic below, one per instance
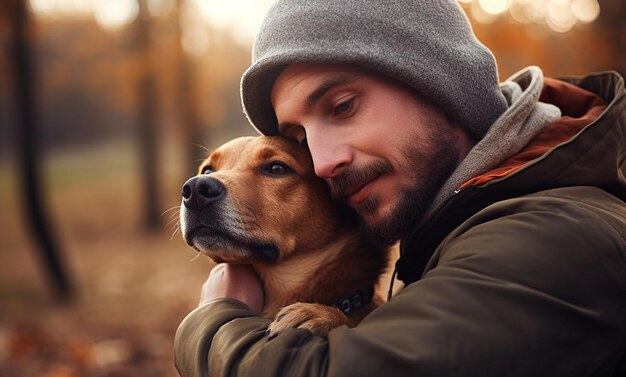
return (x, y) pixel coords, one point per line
(317, 318)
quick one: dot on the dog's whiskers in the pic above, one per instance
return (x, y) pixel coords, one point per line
(196, 257)
(202, 147)
(175, 231)
(174, 221)
(173, 217)
(171, 209)
(205, 149)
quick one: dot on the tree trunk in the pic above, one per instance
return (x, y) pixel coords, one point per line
(186, 98)
(29, 150)
(613, 21)
(148, 122)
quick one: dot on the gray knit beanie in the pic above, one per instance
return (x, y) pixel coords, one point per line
(426, 44)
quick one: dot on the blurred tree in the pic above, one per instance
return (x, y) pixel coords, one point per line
(187, 100)
(148, 119)
(613, 22)
(29, 148)
(587, 47)
(87, 79)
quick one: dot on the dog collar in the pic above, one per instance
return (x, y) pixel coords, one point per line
(355, 301)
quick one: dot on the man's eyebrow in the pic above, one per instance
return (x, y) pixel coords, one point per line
(327, 85)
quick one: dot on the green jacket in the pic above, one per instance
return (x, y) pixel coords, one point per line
(521, 273)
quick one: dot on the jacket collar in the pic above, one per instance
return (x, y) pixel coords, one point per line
(525, 117)
(584, 147)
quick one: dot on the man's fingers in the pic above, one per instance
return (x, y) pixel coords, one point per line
(237, 281)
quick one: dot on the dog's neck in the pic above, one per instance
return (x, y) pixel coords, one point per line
(290, 280)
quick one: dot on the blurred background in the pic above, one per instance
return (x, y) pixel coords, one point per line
(107, 107)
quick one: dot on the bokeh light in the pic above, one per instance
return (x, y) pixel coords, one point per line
(494, 7)
(242, 18)
(161, 8)
(59, 7)
(559, 15)
(586, 10)
(113, 14)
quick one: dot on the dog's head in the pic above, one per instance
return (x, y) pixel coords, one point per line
(256, 200)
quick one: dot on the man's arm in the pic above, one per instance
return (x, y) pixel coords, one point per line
(519, 292)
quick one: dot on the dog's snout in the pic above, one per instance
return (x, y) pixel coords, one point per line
(201, 191)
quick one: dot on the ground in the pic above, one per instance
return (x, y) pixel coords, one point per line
(132, 287)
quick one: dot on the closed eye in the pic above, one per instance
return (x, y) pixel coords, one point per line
(344, 109)
(303, 144)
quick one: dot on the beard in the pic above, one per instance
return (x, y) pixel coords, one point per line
(414, 198)
(431, 159)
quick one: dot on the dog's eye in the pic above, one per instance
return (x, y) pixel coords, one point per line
(207, 169)
(277, 169)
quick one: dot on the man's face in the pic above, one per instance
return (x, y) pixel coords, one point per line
(383, 150)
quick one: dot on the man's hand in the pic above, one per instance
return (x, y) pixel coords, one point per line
(237, 281)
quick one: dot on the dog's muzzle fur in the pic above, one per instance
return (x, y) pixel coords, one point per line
(212, 226)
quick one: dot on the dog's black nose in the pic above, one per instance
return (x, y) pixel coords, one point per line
(202, 191)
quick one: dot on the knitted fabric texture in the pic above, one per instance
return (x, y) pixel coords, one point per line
(427, 44)
(510, 133)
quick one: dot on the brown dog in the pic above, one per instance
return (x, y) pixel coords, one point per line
(256, 200)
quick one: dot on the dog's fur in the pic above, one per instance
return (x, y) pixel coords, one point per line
(269, 210)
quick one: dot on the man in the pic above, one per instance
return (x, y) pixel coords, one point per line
(508, 201)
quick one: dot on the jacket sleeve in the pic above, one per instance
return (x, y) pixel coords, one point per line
(516, 292)
(226, 338)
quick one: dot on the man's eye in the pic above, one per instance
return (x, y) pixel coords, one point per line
(343, 108)
(207, 169)
(277, 169)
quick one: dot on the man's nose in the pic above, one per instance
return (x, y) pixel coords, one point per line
(330, 155)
